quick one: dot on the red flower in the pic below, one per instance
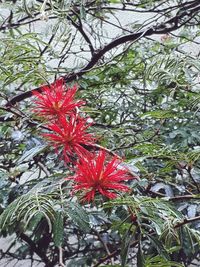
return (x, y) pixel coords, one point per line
(71, 136)
(94, 175)
(55, 101)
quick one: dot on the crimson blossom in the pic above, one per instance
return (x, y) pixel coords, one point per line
(71, 136)
(95, 175)
(54, 101)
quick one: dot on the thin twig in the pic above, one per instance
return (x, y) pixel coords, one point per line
(61, 257)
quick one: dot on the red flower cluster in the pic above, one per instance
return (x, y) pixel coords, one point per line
(70, 135)
(94, 174)
(69, 131)
(55, 101)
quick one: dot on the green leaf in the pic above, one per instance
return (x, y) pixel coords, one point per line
(159, 114)
(58, 229)
(158, 261)
(79, 216)
(126, 242)
(35, 221)
(82, 11)
(24, 209)
(140, 257)
(158, 246)
(28, 155)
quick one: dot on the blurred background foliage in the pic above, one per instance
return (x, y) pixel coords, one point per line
(144, 100)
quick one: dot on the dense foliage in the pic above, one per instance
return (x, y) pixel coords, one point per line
(140, 83)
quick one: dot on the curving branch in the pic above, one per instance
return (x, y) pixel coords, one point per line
(179, 20)
(79, 27)
(36, 249)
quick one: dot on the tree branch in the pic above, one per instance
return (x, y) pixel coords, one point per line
(163, 28)
(34, 248)
(186, 221)
(79, 27)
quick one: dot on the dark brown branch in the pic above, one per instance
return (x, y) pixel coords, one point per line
(169, 26)
(34, 248)
(79, 27)
(113, 254)
(184, 197)
(49, 42)
(156, 9)
(186, 221)
(173, 199)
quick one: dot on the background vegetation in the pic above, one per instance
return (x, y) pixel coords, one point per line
(140, 78)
